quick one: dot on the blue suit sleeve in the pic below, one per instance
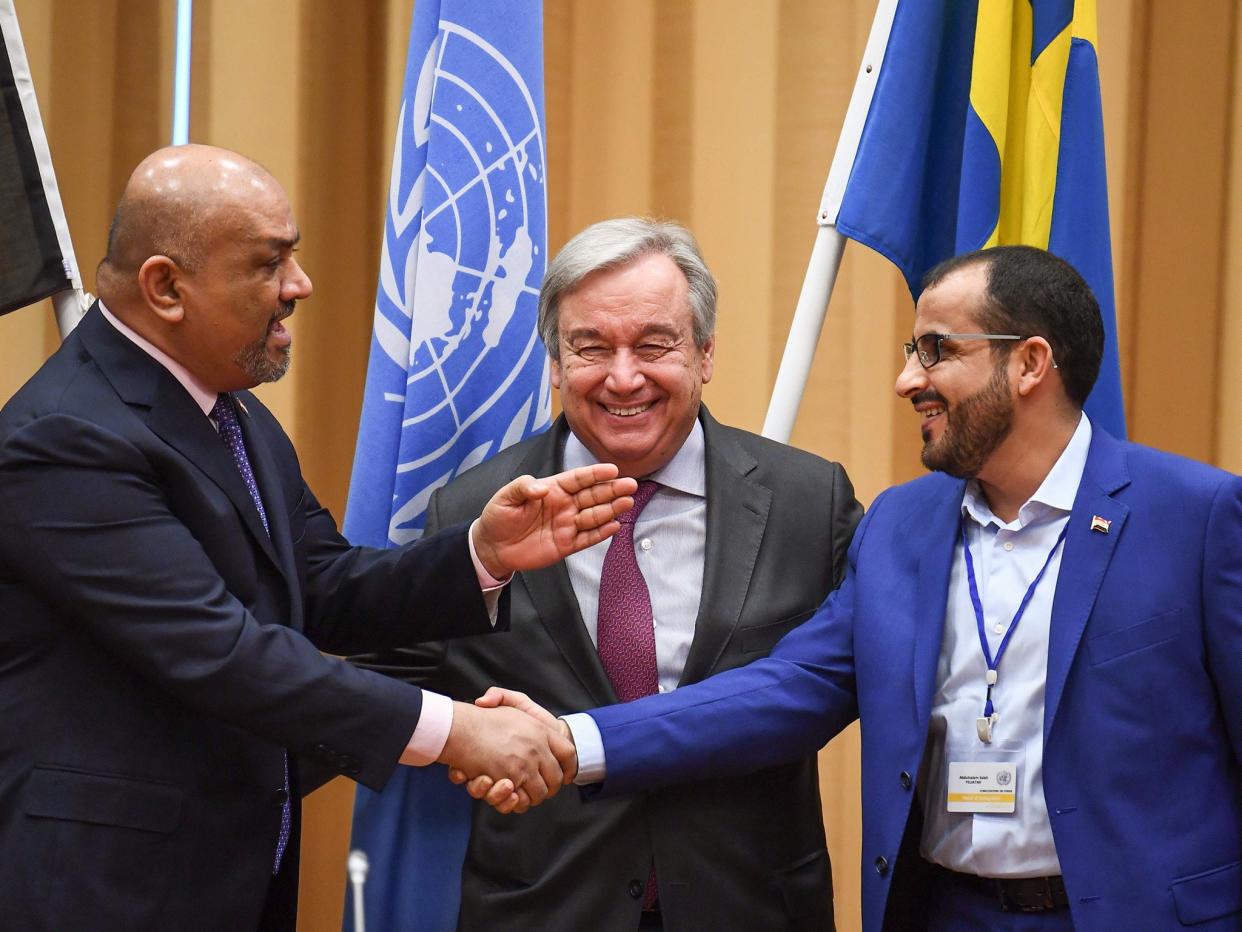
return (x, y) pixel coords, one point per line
(1222, 604)
(777, 709)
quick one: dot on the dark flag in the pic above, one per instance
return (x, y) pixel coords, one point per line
(33, 262)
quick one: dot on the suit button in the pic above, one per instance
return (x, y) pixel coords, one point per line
(636, 889)
(881, 866)
(905, 780)
(280, 797)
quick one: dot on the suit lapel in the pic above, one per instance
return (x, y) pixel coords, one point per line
(737, 515)
(180, 424)
(1086, 559)
(935, 536)
(171, 413)
(551, 592)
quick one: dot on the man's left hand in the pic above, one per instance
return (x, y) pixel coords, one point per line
(532, 523)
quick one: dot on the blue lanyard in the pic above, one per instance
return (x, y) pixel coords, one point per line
(994, 662)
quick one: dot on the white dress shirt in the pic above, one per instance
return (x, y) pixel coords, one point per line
(1007, 558)
(670, 540)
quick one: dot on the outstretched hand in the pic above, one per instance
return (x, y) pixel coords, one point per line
(532, 523)
(501, 792)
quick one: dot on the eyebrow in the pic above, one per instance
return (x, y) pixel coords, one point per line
(281, 243)
(590, 333)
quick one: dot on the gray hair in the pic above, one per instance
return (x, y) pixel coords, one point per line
(611, 244)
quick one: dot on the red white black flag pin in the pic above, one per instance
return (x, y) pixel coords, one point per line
(1101, 525)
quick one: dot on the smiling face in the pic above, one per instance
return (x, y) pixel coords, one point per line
(630, 375)
(965, 400)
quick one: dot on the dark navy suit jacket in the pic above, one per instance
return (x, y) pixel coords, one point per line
(1143, 716)
(158, 650)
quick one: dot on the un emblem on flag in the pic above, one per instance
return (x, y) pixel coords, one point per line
(462, 263)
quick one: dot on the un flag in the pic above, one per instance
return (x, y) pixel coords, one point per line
(457, 371)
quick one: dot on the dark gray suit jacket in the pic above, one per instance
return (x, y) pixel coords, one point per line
(744, 853)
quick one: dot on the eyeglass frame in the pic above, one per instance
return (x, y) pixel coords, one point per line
(911, 348)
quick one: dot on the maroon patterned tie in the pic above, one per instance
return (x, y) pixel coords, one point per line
(625, 633)
(231, 433)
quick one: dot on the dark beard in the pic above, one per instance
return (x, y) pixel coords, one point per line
(975, 428)
(253, 360)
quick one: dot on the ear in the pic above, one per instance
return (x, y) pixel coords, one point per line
(555, 368)
(708, 365)
(159, 282)
(1035, 364)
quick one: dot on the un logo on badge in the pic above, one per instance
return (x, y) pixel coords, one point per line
(1004, 777)
(467, 277)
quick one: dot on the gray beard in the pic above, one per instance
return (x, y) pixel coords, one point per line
(253, 360)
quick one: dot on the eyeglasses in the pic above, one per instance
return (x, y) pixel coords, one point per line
(928, 345)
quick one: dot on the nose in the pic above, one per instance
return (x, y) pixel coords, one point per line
(297, 285)
(625, 374)
(912, 379)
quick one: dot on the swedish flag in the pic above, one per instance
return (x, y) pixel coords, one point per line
(986, 129)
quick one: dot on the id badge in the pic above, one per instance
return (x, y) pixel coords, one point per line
(984, 780)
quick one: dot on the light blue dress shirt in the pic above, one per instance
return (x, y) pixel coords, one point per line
(1007, 557)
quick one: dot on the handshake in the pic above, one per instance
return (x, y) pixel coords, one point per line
(509, 751)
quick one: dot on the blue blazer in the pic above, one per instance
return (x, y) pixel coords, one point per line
(1143, 709)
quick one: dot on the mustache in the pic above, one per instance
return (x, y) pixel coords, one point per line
(930, 395)
(286, 309)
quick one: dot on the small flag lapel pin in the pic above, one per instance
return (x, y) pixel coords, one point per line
(1100, 525)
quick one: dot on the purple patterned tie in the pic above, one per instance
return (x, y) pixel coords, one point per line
(225, 415)
(625, 632)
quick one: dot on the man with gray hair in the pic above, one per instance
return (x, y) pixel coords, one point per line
(735, 541)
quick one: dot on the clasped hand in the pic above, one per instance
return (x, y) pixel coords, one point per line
(510, 752)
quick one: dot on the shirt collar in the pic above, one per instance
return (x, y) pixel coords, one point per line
(685, 472)
(1056, 493)
(203, 396)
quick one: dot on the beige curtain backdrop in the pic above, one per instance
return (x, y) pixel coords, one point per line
(721, 113)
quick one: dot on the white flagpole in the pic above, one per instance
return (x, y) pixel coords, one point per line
(821, 272)
(181, 74)
(72, 303)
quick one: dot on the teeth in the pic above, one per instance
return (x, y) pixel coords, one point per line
(932, 412)
(628, 412)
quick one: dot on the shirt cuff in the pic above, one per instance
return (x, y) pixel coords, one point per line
(590, 746)
(432, 731)
(487, 581)
(491, 586)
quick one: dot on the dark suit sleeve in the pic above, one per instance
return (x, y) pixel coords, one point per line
(86, 523)
(414, 663)
(362, 598)
(847, 511)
